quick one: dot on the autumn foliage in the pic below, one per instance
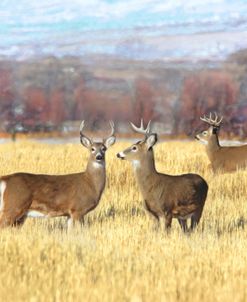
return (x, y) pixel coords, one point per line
(49, 93)
(204, 92)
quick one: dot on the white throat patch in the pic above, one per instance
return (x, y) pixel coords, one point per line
(98, 165)
(204, 142)
(136, 164)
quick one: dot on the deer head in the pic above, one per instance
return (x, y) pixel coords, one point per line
(213, 130)
(97, 149)
(140, 149)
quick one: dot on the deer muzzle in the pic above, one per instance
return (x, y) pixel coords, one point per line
(121, 155)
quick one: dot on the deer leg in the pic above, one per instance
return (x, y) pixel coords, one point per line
(183, 224)
(5, 220)
(167, 220)
(13, 216)
(14, 219)
(156, 224)
(195, 219)
(154, 217)
(20, 221)
(14, 206)
(156, 221)
(75, 220)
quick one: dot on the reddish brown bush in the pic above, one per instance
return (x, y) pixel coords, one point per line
(206, 92)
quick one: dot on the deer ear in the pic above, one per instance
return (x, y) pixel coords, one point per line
(151, 140)
(86, 142)
(109, 141)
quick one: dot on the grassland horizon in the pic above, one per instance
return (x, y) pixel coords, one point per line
(117, 256)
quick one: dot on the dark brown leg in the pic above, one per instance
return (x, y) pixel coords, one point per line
(20, 221)
(153, 216)
(195, 219)
(167, 219)
(183, 225)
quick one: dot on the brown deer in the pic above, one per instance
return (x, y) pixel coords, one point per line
(222, 158)
(165, 196)
(71, 195)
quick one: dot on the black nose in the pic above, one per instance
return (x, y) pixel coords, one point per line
(120, 156)
(99, 157)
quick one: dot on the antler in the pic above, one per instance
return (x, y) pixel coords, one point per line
(141, 129)
(81, 134)
(112, 128)
(110, 140)
(213, 122)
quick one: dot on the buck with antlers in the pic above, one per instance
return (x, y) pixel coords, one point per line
(222, 158)
(72, 195)
(165, 196)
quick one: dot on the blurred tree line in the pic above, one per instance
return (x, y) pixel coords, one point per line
(41, 95)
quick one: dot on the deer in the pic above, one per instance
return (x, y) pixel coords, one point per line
(222, 158)
(165, 196)
(69, 195)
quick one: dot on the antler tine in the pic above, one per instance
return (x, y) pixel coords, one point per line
(204, 119)
(148, 126)
(212, 121)
(221, 119)
(83, 135)
(215, 117)
(82, 126)
(112, 128)
(141, 129)
(142, 125)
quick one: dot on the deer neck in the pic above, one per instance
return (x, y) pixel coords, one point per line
(145, 169)
(96, 172)
(213, 146)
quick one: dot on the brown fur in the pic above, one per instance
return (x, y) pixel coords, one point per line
(166, 196)
(72, 195)
(222, 158)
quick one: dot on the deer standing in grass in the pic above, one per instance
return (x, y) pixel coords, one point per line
(71, 195)
(165, 196)
(222, 158)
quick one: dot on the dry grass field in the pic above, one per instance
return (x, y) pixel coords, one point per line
(117, 256)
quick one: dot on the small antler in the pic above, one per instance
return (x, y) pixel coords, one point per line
(110, 140)
(82, 126)
(141, 129)
(212, 122)
(112, 128)
(81, 134)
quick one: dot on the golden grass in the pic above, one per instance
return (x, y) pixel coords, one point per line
(118, 256)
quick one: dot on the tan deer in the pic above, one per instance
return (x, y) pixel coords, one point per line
(165, 196)
(71, 195)
(222, 158)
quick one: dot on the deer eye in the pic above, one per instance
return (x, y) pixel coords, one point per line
(103, 149)
(204, 132)
(93, 149)
(134, 148)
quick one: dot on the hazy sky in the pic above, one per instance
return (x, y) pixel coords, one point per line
(57, 26)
